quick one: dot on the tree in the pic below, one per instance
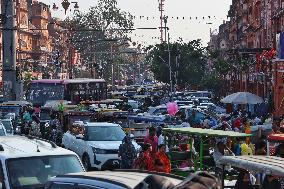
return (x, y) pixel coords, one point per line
(191, 62)
(28, 77)
(93, 29)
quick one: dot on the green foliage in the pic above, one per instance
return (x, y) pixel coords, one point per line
(191, 60)
(94, 28)
(212, 82)
(28, 77)
(221, 67)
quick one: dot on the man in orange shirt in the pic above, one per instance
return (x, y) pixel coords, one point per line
(162, 161)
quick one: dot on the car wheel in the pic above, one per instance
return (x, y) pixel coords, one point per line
(86, 162)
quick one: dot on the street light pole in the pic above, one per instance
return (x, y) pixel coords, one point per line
(112, 71)
(170, 66)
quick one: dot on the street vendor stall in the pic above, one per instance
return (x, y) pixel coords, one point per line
(203, 135)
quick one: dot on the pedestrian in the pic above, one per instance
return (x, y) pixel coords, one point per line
(261, 148)
(245, 180)
(152, 139)
(162, 161)
(271, 182)
(220, 151)
(247, 148)
(237, 147)
(145, 160)
(194, 121)
(127, 153)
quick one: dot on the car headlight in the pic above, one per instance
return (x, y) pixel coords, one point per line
(99, 151)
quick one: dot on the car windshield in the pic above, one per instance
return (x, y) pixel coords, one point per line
(8, 126)
(105, 133)
(33, 172)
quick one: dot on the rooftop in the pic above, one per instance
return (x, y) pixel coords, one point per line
(21, 146)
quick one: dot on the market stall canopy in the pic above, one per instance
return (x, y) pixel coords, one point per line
(206, 132)
(262, 164)
(242, 98)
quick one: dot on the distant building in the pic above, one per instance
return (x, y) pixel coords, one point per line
(251, 34)
(38, 39)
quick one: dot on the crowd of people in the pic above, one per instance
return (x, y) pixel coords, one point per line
(152, 157)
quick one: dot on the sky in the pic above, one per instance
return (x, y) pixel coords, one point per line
(187, 29)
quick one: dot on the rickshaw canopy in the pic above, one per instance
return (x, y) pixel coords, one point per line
(206, 132)
(263, 164)
(276, 137)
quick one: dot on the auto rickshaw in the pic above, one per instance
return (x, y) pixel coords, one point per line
(258, 165)
(204, 140)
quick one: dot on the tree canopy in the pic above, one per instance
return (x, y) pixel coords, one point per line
(98, 32)
(188, 60)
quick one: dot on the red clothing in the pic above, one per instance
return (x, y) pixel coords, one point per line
(163, 158)
(144, 162)
(184, 147)
(238, 123)
(153, 142)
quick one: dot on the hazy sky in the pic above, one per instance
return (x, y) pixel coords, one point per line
(186, 29)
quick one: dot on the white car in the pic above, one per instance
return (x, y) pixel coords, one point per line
(30, 162)
(96, 143)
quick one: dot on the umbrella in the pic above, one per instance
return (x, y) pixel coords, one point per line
(242, 98)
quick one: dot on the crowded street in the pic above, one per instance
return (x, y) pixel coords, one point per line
(129, 94)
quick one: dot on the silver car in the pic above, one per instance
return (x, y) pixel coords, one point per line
(105, 180)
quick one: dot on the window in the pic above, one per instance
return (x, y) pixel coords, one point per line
(33, 172)
(104, 133)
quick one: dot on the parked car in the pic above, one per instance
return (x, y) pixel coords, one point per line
(96, 143)
(30, 162)
(213, 107)
(158, 110)
(105, 180)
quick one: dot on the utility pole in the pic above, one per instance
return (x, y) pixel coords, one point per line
(11, 86)
(70, 70)
(177, 66)
(166, 21)
(170, 66)
(112, 68)
(161, 9)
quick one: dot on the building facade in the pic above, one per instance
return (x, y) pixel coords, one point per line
(41, 42)
(251, 35)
